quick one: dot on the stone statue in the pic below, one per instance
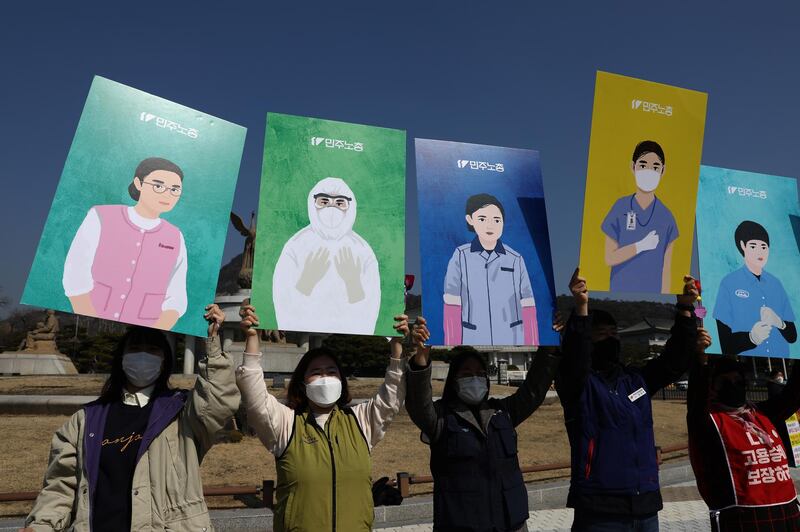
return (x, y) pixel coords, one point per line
(42, 339)
(246, 272)
(249, 234)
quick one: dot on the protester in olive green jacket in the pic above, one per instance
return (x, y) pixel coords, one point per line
(131, 459)
(321, 445)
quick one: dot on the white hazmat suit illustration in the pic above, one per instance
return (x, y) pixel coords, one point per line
(327, 279)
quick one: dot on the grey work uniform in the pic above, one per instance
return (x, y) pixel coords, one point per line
(492, 286)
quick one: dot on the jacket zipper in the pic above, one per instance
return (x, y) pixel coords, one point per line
(333, 482)
(589, 457)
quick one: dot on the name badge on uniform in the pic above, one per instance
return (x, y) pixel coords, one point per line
(630, 223)
(637, 394)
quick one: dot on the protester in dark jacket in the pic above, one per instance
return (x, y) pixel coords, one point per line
(478, 485)
(608, 415)
(738, 458)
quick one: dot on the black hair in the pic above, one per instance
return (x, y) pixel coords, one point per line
(648, 146)
(115, 384)
(601, 318)
(748, 231)
(722, 365)
(482, 200)
(296, 397)
(464, 353)
(147, 167)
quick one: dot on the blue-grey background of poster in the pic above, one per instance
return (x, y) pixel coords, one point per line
(726, 198)
(450, 172)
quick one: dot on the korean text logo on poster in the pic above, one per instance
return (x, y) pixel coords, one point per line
(641, 185)
(486, 270)
(749, 259)
(330, 245)
(138, 223)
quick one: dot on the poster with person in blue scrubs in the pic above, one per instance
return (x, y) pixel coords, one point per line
(486, 269)
(749, 261)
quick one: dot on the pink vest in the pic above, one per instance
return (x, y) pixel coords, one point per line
(758, 472)
(132, 267)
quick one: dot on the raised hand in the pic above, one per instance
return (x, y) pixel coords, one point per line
(314, 269)
(580, 293)
(349, 269)
(690, 291)
(249, 322)
(648, 243)
(703, 340)
(559, 321)
(214, 316)
(396, 343)
(420, 334)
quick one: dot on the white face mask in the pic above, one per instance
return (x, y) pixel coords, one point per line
(472, 390)
(331, 217)
(141, 368)
(324, 391)
(779, 380)
(647, 179)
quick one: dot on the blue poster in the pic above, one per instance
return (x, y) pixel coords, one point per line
(487, 275)
(749, 260)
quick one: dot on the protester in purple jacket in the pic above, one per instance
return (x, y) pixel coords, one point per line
(131, 459)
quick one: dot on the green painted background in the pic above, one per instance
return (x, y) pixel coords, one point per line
(292, 166)
(109, 143)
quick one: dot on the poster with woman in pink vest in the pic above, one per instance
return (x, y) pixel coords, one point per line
(137, 227)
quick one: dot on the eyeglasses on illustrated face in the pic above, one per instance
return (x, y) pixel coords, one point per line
(325, 200)
(160, 188)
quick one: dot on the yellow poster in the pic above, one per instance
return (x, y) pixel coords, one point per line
(641, 185)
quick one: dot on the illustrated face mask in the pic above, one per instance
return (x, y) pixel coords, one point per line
(141, 368)
(331, 217)
(324, 391)
(471, 390)
(647, 179)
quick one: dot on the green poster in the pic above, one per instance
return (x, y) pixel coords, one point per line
(330, 245)
(138, 223)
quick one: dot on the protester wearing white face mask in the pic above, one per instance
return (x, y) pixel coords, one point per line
(321, 445)
(131, 459)
(478, 485)
(640, 230)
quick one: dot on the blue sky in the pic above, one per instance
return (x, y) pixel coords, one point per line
(510, 74)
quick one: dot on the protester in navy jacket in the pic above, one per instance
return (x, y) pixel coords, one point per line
(608, 415)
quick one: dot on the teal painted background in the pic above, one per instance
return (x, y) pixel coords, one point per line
(110, 141)
(292, 166)
(719, 212)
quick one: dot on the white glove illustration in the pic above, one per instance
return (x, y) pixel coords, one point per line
(760, 332)
(769, 317)
(648, 243)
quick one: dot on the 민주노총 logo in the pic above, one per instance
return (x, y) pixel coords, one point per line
(481, 165)
(169, 124)
(337, 144)
(747, 192)
(650, 107)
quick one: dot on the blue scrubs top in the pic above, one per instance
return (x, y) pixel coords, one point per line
(491, 285)
(627, 223)
(739, 300)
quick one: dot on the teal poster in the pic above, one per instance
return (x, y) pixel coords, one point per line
(330, 245)
(137, 227)
(749, 260)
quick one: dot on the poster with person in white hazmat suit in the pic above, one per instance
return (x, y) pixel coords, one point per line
(329, 253)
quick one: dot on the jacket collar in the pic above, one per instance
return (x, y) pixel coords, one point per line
(476, 247)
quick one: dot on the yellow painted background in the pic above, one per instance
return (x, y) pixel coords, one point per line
(616, 130)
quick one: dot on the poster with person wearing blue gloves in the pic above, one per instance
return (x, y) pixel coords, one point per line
(486, 269)
(749, 260)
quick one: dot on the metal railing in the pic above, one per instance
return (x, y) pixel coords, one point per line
(402, 481)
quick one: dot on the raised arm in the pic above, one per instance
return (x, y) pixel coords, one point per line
(375, 415)
(271, 420)
(786, 403)
(697, 393)
(681, 346)
(215, 397)
(533, 391)
(419, 396)
(53, 507)
(576, 344)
